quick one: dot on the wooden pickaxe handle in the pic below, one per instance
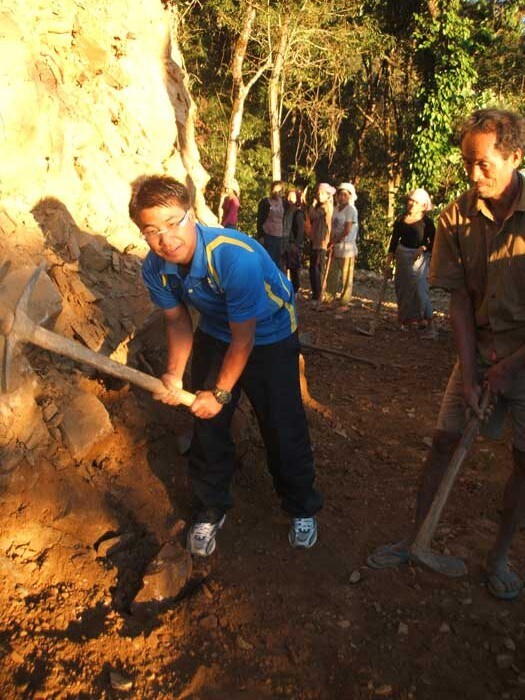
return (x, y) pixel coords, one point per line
(379, 300)
(325, 275)
(25, 330)
(428, 527)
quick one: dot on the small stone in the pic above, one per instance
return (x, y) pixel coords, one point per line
(243, 644)
(17, 658)
(119, 682)
(402, 628)
(49, 411)
(504, 661)
(427, 441)
(444, 628)
(509, 644)
(343, 624)
(355, 576)
(383, 691)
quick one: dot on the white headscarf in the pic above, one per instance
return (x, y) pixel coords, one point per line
(422, 197)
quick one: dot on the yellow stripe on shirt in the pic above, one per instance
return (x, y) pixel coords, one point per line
(289, 307)
(215, 244)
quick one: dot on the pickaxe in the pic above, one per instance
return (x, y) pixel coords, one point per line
(17, 327)
(420, 548)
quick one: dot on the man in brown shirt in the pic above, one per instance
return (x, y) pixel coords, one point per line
(479, 256)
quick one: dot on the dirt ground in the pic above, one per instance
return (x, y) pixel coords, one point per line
(259, 620)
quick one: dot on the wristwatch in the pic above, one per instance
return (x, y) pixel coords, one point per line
(222, 396)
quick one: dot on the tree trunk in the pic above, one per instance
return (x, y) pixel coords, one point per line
(274, 94)
(186, 149)
(240, 92)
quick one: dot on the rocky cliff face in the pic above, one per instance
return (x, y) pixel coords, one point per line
(92, 95)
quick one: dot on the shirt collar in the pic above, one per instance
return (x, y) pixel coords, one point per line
(199, 265)
(476, 204)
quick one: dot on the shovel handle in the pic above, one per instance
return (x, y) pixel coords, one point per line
(428, 527)
(27, 331)
(325, 275)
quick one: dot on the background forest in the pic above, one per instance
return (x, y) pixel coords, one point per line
(367, 91)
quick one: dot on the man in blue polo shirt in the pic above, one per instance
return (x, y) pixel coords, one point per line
(246, 339)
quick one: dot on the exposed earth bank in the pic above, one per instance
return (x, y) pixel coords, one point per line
(81, 535)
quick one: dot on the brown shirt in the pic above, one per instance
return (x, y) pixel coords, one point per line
(473, 252)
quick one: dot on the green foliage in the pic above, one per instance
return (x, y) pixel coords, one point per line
(444, 45)
(372, 93)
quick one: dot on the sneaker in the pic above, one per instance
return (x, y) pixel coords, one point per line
(200, 539)
(303, 532)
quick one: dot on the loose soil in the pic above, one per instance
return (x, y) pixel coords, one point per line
(258, 620)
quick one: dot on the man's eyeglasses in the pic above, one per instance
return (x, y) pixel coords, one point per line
(170, 228)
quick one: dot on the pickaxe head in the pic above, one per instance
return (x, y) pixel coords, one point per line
(7, 322)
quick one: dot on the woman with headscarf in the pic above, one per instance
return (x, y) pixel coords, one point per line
(321, 225)
(411, 244)
(344, 236)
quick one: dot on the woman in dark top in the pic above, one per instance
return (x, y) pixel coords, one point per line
(411, 245)
(293, 236)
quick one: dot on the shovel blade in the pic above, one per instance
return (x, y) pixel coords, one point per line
(441, 563)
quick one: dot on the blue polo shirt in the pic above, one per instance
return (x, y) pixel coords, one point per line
(231, 278)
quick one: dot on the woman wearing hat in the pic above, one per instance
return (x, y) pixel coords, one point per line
(345, 227)
(411, 244)
(321, 225)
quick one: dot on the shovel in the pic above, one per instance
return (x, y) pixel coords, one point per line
(16, 326)
(420, 549)
(325, 277)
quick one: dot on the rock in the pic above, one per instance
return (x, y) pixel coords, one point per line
(343, 624)
(355, 577)
(402, 628)
(444, 627)
(91, 258)
(383, 691)
(427, 441)
(509, 644)
(49, 411)
(86, 422)
(166, 575)
(119, 682)
(243, 644)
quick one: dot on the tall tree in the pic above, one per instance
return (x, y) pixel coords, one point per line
(445, 52)
(241, 86)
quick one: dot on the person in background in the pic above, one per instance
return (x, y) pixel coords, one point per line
(230, 206)
(246, 339)
(479, 257)
(320, 229)
(293, 236)
(345, 228)
(411, 245)
(270, 215)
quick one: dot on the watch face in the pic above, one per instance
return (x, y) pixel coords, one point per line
(222, 396)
